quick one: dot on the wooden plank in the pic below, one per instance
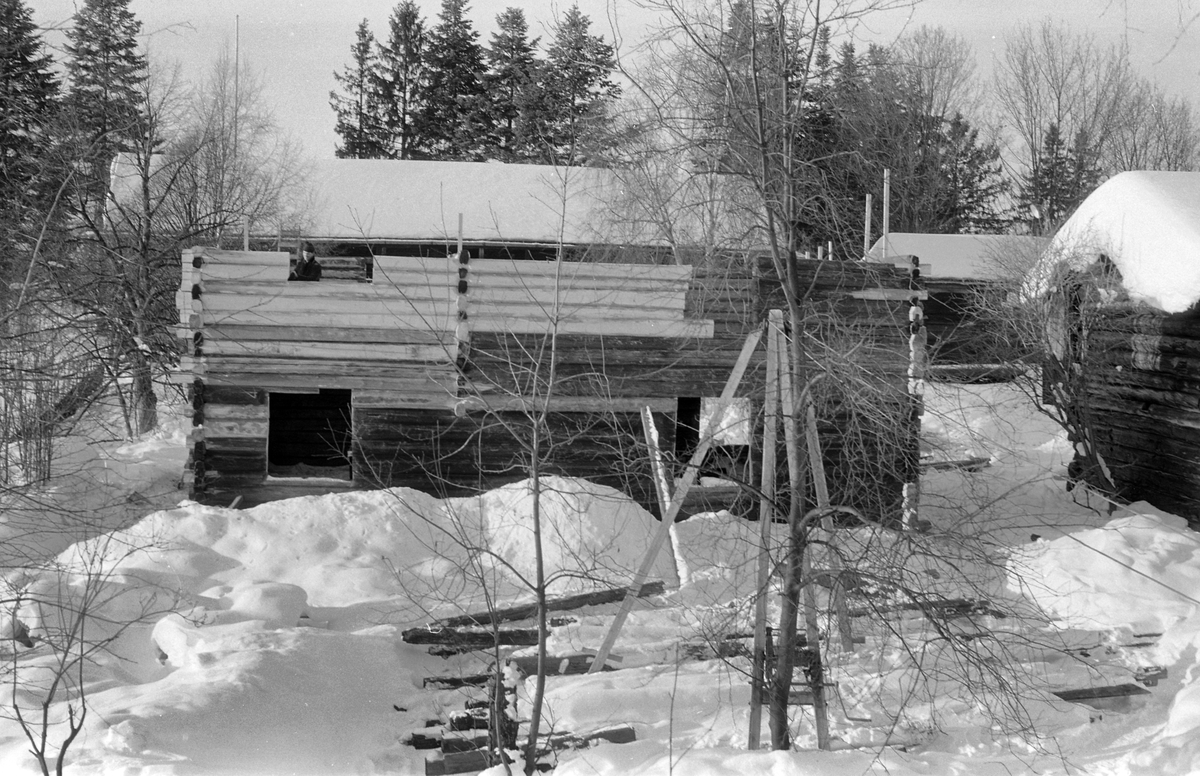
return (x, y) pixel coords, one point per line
(416, 371)
(235, 445)
(422, 312)
(550, 284)
(276, 271)
(341, 334)
(249, 429)
(570, 312)
(1111, 691)
(484, 267)
(369, 399)
(457, 637)
(215, 411)
(380, 319)
(888, 294)
(422, 393)
(421, 293)
(223, 257)
(386, 352)
(387, 266)
(553, 604)
(598, 403)
(573, 298)
(652, 328)
(235, 394)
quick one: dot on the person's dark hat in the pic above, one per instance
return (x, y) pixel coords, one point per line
(308, 248)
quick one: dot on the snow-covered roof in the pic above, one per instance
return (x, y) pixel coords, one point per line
(421, 200)
(1148, 225)
(959, 256)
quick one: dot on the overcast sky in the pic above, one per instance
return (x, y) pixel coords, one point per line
(298, 44)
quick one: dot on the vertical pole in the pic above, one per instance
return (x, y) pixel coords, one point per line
(766, 514)
(245, 233)
(462, 326)
(916, 388)
(887, 211)
(867, 229)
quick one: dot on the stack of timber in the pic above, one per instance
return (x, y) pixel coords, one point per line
(1143, 392)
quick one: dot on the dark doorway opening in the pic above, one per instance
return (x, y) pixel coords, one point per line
(310, 435)
(724, 460)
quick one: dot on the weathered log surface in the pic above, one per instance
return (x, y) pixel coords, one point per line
(555, 604)
(474, 639)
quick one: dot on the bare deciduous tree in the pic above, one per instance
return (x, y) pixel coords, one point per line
(1050, 75)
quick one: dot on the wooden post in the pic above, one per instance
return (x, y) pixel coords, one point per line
(916, 388)
(867, 229)
(887, 210)
(668, 518)
(766, 513)
(800, 544)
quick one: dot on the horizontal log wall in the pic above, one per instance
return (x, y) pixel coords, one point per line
(956, 335)
(452, 455)
(229, 446)
(244, 325)
(529, 297)
(435, 376)
(1142, 380)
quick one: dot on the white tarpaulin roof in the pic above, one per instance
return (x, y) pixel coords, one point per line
(959, 256)
(357, 199)
(1148, 225)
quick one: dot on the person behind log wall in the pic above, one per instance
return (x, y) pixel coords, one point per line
(307, 266)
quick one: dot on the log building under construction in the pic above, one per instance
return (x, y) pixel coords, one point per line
(452, 373)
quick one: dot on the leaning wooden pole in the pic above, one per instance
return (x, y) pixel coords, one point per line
(837, 587)
(766, 514)
(668, 517)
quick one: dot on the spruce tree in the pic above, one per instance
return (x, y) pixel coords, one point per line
(974, 181)
(509, 84)
(107, 73)
(402, 84)
(28, 91)
(359, 123)
(1048, 193)
(29, 94)
(456, 109)
(578, 89)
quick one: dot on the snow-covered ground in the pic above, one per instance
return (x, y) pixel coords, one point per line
(271, 637)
